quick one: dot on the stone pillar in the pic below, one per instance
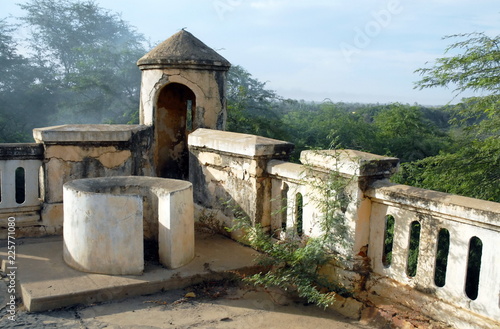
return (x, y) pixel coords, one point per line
(176, 226)
(360, 169)
(226, 166)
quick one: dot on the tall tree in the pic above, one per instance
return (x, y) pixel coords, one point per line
(475, 68)
(251, 106)
(404, 132)
(20, 91)
(474, 169)
(90, 54)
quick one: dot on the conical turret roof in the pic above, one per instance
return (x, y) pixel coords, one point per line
(183, 50)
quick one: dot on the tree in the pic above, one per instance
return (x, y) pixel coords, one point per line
(328, 125)
(20, 91)
(477, 70)
(251, 107)
(90, 54)
(403, 132)
(473, 169)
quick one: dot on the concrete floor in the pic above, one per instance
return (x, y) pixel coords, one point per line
(45, 282)
(56, 296)
(217, 305)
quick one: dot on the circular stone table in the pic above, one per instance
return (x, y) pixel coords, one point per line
(103, 223)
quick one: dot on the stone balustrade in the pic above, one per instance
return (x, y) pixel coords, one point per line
(19, 185)
(438, 244)
(427, 250)
(430, 251)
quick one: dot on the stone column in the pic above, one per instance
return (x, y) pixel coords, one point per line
(359, 169)
(228, 172)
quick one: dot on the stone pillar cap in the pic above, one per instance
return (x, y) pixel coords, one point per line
(237, 143)
(351, 162)
(86, 133)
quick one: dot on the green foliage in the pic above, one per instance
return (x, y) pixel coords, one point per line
(90, 55)
(471, 168)
(251, 107)
(473, 267)
(473, 171)
(81, 68)
(399, 130)
(443, 249)
(413, 249)
(388, 240)
(403, 132)
(19, 90)
(475, 68)
(295, 261)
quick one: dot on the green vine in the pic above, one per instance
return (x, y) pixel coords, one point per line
(294, 262)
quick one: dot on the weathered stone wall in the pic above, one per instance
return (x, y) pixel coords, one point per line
(207, 86)
(228, 173)
(86, 151)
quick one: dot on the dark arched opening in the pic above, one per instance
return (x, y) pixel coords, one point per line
(175, 110)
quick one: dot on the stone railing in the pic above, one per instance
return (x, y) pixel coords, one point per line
(19, 185)
(32, 175)
(438, 245)
(229, 170)
(429, 251)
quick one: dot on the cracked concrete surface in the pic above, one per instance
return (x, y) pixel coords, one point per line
(214, 305)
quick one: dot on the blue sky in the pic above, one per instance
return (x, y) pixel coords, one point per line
(351, 51)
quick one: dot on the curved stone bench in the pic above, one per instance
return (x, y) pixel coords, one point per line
(103, 223)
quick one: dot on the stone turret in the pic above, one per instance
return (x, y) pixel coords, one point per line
(183, 88)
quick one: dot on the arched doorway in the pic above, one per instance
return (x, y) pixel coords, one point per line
(174, 121)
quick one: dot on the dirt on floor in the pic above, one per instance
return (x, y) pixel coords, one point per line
(221, 304)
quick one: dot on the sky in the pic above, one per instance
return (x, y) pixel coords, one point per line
(363, 51)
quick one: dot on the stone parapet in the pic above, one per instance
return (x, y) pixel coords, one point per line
(21, 151)
(86, 133)
(351, 162)
(228, 172)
